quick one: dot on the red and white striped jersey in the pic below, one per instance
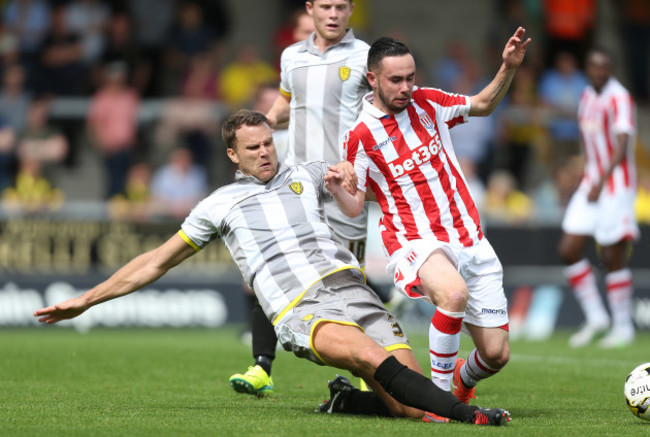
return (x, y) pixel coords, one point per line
(601, 117)
(409, 162)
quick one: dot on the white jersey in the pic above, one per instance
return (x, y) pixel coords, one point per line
(408, 161)
(602, 116)
(325, 91)
(276, 233)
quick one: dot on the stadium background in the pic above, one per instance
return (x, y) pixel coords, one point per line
(47, 256)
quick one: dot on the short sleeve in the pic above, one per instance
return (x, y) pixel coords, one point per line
(623, 114)
(198, 226)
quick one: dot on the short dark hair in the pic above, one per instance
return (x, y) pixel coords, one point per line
(383, 47)
(237, 120)
(601, 51)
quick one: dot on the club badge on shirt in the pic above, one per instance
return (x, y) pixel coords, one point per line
(296, 187)
(426, 121)
(344, 73)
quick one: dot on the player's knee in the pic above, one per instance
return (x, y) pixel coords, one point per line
(496, 355)
(456, 298)
(368, 358)
(568, 253)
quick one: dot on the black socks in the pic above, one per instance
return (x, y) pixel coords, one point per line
(264, 339)
(265, 363)
(416, 390)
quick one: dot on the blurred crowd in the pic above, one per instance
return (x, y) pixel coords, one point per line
(522, 163)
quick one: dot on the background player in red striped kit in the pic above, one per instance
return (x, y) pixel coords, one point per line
(431, 233)
(603, 206)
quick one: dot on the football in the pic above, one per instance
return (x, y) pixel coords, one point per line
(637, 391)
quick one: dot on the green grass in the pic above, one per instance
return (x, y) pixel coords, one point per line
(58, 382)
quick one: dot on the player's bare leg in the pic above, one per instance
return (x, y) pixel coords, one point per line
(491, 354)
(620, 288)
(582, 281)
(443, 284)
(398, 374)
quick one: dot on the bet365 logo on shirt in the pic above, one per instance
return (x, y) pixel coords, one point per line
(413, 159)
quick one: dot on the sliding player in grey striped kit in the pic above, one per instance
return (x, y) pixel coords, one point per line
(272, 220)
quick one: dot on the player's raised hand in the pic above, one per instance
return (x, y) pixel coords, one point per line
(515, 49)
(65, 310)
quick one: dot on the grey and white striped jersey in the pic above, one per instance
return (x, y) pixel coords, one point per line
(276, 232)
(325, 91)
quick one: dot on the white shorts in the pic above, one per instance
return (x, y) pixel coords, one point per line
(478, 265)
(609, 220)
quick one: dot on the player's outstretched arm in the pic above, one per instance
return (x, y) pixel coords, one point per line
(340, 181)
(140, 271)
(487, 100)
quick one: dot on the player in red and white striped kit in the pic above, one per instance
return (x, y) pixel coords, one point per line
(603, 206)
(431, 233)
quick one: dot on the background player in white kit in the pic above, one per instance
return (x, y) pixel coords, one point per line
(322, 81)
(401, 149)
(603, 206)
(311, 287)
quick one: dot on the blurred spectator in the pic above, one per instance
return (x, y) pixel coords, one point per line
(202, 78)
(178, 185)
(552, 195)
(189, 120)
(14, 97)
(241, 77)
(191, 37)
(32, 191)
(89, 19)
(569, 26)
(360, 20)
(473, 141)
(121, 47)
(303, 27)
(112, 125)
(152, 23)
(635, 26)
(62, 70)
(559, 90)
(520, 126)
(474, 183)
(9, 53)
(7, 154)
(452, 65)
(298, 28)
(134, 204)
(642, 204)
(40, 141)
(29, 20)
(503, 202)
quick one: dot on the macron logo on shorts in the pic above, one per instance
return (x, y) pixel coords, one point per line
(492, 311)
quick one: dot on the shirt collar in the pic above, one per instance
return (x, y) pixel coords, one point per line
(309, 45)
(242, 177)
(371, 109)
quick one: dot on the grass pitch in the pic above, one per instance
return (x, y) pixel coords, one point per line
(58, 382)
